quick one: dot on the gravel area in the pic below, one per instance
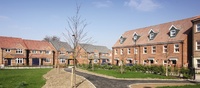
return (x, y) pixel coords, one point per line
(61, 79)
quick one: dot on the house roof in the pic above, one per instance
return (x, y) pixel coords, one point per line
(11, 42)
(38, 45)
(162, 30)
(59, 44)
(92, 48)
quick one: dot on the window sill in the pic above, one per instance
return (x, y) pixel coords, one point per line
(176, 52)
(197, 50)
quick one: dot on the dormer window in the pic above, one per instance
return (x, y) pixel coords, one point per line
(152, 34)
(135, 36)
(122, 39)
(173, 31)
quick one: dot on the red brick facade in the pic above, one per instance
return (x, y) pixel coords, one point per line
(169, 43)
(196, 42)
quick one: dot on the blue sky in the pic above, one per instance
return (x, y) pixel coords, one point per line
(107, 19)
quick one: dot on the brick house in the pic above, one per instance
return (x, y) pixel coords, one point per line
(196, 42)
(168, 43)
(13, 51)
(63, 52)
(40, 53)
(98, 54)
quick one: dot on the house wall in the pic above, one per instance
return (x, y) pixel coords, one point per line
(159, 56)
(196, 36)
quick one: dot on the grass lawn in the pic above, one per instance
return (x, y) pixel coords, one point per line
(186, 86)
(130, 74)
(22, 78)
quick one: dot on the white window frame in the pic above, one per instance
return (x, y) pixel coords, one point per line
(122, 51)
(172, 33)
(153, 49)
(151, 35)
(128, 50)
(48, 60)
(19, 60)
(62, 60)
(164, 62)
(198, 27)
(135, 51)
(144, 49)
(62, 53)
(116, 51)
(34, 51)
(164, 48)
(8, 50)
(48, 52)
(176, 49)
(198, 63)
(41, 51)
(197, 45)
(19, 51)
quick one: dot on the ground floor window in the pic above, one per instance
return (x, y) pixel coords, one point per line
(62, 60)
(165, 62)
(144, 62)
(151, 61)
(198, 63)
(47, 60)
(173, 62)
(19, 60)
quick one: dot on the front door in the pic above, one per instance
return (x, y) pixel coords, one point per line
(35, 61)
(9, 62)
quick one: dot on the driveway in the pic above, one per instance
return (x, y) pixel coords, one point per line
(103, 82)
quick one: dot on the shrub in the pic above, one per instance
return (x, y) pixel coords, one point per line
(187, 73)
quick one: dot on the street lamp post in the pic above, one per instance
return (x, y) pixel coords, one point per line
(135, 37)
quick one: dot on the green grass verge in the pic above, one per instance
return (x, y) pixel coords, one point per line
(129, 74)
(22, 78)
(186, 86)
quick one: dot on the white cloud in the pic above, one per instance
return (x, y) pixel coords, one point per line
(102, 4)
(142, 5)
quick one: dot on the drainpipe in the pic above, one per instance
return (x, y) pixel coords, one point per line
(139, 54)
(182, 53)
(2, 55)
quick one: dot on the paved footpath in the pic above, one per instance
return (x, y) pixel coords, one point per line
(106, 82)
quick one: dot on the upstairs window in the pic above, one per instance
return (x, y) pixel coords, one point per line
(198, 27)
(152, 34)
(34, 51)
(41, 52)
(8, 50)
(165, 49)
(135, 37)
(153, 49)
(122, 39)
(116, 51)
(198, 45)
(122, 51)
(47, 52)
(135, 50)
(19, 51)
(62, 53)
(176, 48)
(173, 31)
(144, 50)
(129, 50)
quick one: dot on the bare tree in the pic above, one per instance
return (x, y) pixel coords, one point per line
(76, 35)
(51, 38)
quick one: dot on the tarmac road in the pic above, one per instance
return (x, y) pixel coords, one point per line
(102, 82)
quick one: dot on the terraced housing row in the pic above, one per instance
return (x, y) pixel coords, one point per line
(175, 43)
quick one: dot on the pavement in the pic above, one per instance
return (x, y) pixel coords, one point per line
(102, 81)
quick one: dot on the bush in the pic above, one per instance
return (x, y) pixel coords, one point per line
(187, 73)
